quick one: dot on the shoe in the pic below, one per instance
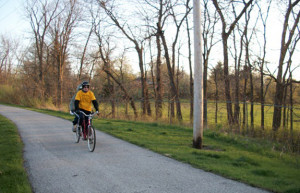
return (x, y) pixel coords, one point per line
(74, 128)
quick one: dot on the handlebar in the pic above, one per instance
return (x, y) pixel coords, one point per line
(90, 115)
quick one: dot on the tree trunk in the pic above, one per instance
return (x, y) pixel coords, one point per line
(291, 112)
(251, 100)
(148, 105)
(143, 81)
(227, 82)
(245, 95)
(277, 106)
(216, 98)
(237, 82)
(126, 107)
(111, 95)
(158, 102)
(262, 99)
(284, 119)
(59, 87)
(113, 101)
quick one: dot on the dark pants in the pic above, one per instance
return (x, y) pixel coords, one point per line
(82, 117)
(75, 120)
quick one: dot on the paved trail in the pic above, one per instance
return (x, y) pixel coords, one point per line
(55, 164)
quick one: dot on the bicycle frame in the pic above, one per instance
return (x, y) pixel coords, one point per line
(87, 131)
(85, 124)
(90, 116)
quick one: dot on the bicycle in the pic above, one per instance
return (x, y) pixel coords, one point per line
(86, 130)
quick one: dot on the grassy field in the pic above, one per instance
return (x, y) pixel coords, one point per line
(255, 162)
(221, 114)
(13, 177)
(290, 139)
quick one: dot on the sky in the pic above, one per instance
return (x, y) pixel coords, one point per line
(13, 23)
(12, 20)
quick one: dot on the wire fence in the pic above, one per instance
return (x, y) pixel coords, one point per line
(216, 112)
(249, 121)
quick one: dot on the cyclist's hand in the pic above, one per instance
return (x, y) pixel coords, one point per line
(77, 112)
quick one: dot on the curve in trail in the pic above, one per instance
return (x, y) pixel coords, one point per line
(55, 163)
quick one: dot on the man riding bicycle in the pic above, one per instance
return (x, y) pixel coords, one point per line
(83, 102)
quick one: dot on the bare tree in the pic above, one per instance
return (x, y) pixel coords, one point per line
(62, 29)
(105, 54)
(237, 63)
(166, 12)
(5, 52)
(123, 68)
(225, 35)
(171, 61)
(159, 93)
(178, 23)
(190, 67)
(244, 44)
(245, 110)
(248, 38)
(156, 79)
(139, 49)
(107, 70)
(160, 21)
(10, 57)
(262, 62)
(41, 14)
(209, 41)
(217, 77)
(291, 52)
(288, 32)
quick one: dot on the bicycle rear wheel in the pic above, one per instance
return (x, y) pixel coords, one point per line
(77, 134)
(91, 138)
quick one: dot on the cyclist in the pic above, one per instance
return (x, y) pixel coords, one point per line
(83, 101)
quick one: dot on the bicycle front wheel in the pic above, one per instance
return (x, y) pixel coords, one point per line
(77, 134)
(91, 138)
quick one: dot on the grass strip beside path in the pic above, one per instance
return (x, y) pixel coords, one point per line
(252, 161)
(246, 160)
(13, 177)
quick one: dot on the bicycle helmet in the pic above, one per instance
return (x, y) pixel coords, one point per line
(85, 83)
